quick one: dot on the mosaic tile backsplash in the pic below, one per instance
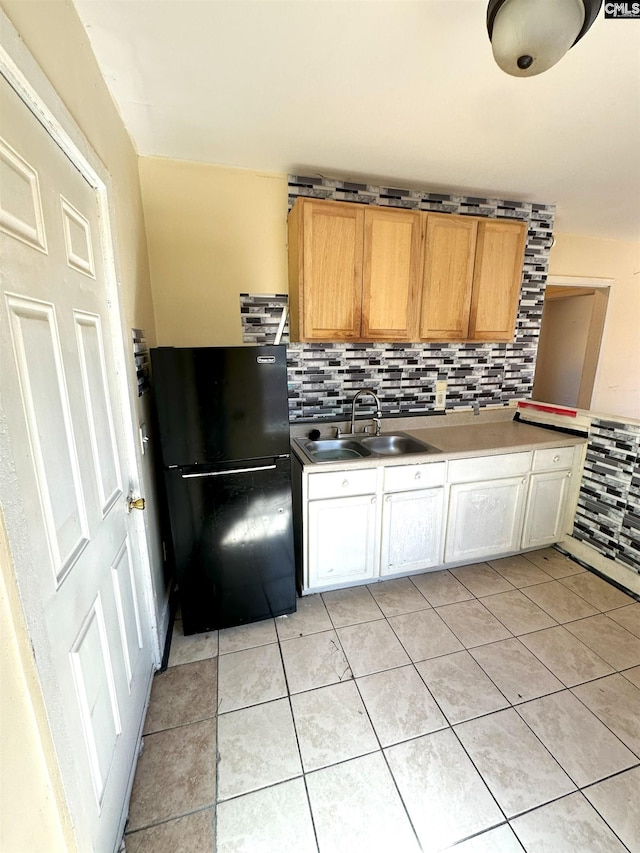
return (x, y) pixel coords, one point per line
(608, 514)
(324, 377)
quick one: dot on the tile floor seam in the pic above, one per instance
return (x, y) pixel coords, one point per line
(451, 726)
(448, 723)
(577, 785)
(523, 701)
(593, 806)
(602, 610)
(567, 621)
(478, 834)
(477, 716)
(180, 725)
(553, 758)
(569, 557)
(610, 776)
(209, 807)
(513, 633)
(443, 654)
(295, 731)
(605, 724)
(595, 678)
(384, 756)
(476, 645)
(589, 803)
(267, 787)
(477, 769)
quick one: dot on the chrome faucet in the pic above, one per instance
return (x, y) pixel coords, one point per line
(378, 413)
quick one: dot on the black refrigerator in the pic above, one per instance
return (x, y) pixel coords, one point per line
(223, 422)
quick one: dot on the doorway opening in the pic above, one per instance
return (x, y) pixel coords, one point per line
(573, 321)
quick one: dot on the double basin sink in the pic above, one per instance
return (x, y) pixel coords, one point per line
(351, 447)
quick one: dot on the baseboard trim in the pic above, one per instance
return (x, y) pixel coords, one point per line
(625, 578)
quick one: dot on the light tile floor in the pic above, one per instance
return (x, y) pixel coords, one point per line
(493, 708)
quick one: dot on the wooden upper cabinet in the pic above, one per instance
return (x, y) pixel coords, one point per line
(497, 279)
(449, 252)
(391, 277)
(325, 270)
(367, 273)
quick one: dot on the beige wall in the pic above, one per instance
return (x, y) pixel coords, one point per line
(213, 233)
(617, 385)
(56, 39)
(562, 348)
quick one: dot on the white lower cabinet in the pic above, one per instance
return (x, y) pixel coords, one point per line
(367, 523)
(546, 508)
(411, 531)
(342, 540)
(485, 518)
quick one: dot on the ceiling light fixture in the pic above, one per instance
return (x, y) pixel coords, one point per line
(529, 36)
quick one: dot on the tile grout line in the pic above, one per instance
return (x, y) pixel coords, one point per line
(450, 725)
(217, 798)
(295, 731)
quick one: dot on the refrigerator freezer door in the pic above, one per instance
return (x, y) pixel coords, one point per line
(233, 542)
(219, 404)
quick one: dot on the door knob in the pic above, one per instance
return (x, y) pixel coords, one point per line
(135, 503)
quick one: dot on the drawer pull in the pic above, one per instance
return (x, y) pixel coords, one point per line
(556, 458)
(345, 484)
(418, 475)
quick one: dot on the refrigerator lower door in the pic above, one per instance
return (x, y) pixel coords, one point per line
(232, 535)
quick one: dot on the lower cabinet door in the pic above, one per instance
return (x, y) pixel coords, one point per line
(411, 531)
(546, 507)
(342, 540)
(485, 518)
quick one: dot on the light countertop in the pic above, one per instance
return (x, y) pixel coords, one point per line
(484, 437)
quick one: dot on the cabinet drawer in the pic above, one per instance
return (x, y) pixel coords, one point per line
(337, 484)
(489, 467)
(555, 457)
(404, 478)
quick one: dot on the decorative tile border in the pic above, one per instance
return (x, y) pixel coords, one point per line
(608, 513)
(324, 377)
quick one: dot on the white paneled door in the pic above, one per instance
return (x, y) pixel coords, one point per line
(64, 477)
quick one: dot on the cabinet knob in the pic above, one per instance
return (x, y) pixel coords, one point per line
(556, 458)
(418, 475)
(524, 480)
(345, 483)
(373, 500)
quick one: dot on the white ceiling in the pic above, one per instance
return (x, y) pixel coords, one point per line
(399, 92)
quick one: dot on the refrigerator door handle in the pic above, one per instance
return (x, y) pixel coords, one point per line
(231, 471)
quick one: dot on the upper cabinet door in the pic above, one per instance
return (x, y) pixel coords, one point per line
(392, 249)
(448, 277)
(365, 273)
(325, 270)
(497, 279)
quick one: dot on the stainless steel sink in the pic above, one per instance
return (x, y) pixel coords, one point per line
(337, 449)
(334, 449)
(396, 444)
